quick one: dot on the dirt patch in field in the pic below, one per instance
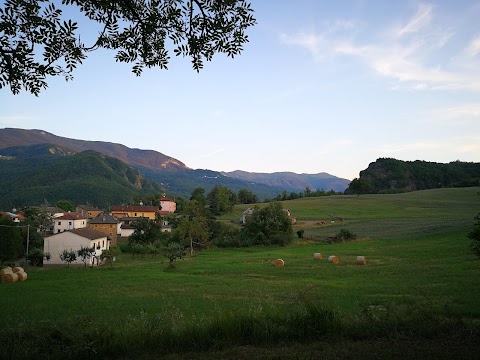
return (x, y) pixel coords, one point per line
(311, 224)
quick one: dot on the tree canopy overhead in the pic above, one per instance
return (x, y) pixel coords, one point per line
(36, 41)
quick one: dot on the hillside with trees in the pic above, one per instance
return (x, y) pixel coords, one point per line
(387, 175)
(35, 174)
(172, 174)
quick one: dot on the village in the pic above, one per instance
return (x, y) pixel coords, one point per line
(91, 227)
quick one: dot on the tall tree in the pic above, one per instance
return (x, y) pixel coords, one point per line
(221, 199)
(193, 229)
(269, 225)
(65, 205)
(246, 197)
(11, 246)
(358, 186)
(146, 232)
(198, 195)
(37, 41)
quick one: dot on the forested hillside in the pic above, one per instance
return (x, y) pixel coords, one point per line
(387, 175)
(34, 174)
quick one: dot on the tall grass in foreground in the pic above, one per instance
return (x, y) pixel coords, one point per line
(305, 322)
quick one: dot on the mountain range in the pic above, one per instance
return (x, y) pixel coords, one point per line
(158, 172)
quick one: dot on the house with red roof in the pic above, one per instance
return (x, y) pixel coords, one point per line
(122, 211)
(68, 221)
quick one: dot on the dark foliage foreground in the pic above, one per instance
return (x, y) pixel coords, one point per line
(395, 331)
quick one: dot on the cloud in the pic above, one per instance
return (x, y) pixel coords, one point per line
(455, 115)
(421, 19)
(462, 146)
(411, 61)
(473, 49)
(212, 153)
(408, 147)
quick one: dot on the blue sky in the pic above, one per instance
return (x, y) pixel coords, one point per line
(322, 86)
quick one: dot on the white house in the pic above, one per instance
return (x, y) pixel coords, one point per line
(74, 239)
(126, 230)
(69, 221)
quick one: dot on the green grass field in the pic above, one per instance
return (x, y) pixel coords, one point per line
(418, 295)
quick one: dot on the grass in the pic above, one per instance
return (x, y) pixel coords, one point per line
(417, 295)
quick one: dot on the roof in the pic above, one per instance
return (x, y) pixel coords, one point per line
(166, 199)
(104, 219)
(88, 233)
(71, 216)
(88, 208)
(130, 208)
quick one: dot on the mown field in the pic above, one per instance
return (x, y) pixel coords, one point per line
(417, 297)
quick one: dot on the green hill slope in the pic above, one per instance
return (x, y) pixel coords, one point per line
(30, 175)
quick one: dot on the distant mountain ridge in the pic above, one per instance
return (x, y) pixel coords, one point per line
(146, 158)
(174, 175)
(293, 181)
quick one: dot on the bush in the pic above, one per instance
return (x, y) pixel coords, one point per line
(474, 235)
(125, 247)
(346, 235)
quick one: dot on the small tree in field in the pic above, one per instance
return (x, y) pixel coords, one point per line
(474, 235)
(358, 186)
(68, 256)
(110, 255)
(174, 251)
(85, 254)
(36, 256)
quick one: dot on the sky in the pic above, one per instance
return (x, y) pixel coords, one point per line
(322, 86)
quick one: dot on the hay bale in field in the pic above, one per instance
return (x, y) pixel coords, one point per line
(333, 259)
(318, 256)
(22, 275)
(10, 277)
(7, 270)
(18, 269)
(361, 260)
(279, 262)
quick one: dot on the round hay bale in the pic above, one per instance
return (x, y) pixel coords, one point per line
(333, 259)
(318, 256)
(18, 269)
(10, 277)
(22, 275)
(279, 262)
(361, 260)
(7, 270)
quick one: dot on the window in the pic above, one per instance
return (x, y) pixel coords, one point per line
(103, 243)
(69, 223)
(135, 214)
(59, 223)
